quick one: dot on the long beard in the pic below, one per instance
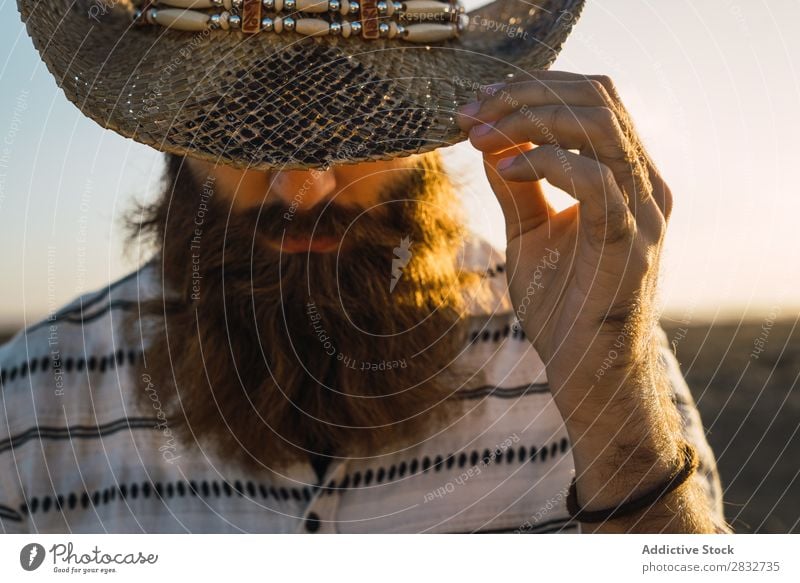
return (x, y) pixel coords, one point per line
(269, 357)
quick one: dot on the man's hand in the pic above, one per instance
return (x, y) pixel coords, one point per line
(583, 280)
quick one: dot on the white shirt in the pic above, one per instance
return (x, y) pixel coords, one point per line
(79, 455)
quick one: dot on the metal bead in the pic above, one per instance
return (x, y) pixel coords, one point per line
(288, 23)
(336, 29)
(398, 7)
(150, 17)
(401, 31)
(237, 4)
(289, 5)
(137, 14)
(462, 22)
(383, 30)
(213, 22)
(268, 5)
(267, 24)
(355, 26)
(354, 7)
(382, 7)
(235, 21)
(334, 5)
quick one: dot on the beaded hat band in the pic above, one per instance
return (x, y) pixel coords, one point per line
(417, 21)
(289, 84)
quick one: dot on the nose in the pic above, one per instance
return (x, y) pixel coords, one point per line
(303, 189)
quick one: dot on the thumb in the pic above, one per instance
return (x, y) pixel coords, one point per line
(523, 204)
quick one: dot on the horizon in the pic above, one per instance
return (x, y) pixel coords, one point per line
(693, 78)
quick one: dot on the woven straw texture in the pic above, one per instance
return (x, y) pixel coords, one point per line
(284, 101)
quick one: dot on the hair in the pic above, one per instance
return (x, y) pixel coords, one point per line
(267, 357)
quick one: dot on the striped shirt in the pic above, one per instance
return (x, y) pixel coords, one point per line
(79, 455)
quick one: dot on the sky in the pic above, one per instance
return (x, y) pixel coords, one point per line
(712, 87)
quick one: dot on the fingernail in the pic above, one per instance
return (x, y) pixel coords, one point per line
(506, 163)
(482, 129)
(470, 109)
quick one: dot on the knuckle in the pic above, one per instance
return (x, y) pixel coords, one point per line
(544, 118)
(548, 151)
(542, 93)
(642, 259)
(541, 157)
(607, 176)
(661, 228)
(606, 119)
(667, 206)
(557, 116)
(605, 81)
(599, 90)
(663, 196)
(614, 226)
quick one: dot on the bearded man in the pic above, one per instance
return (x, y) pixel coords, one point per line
(317, 343)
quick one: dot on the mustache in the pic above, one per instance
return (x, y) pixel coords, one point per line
(328, 220)
(375, 224)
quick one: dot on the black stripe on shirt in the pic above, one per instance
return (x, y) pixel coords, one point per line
(9, 514)
(68, 364)
(554, 525)
(69, 314)
(84, 318)
(496, 335)
(79, 431)
(503, 392)
(148, 489)
(451, 462)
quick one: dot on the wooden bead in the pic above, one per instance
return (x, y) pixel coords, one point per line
(199, 4)
(182, 19)
(369, 19)
(344, 7)
(312, 6)
(425, 7)
(312, 26)
(429, 33)
(347, 30)
(251, 16)
(278, 6)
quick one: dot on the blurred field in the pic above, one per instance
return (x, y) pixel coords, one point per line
(750, 404)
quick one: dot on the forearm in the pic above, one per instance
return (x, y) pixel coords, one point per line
(631, 446)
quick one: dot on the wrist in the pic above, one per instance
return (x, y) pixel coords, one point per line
(611, 469)
(627, 443)
(634, 503)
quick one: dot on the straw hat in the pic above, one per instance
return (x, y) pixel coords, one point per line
(289, 83)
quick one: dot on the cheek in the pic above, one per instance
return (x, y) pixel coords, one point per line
(363, 184)
(248, 188)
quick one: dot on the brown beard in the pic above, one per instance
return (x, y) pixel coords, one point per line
(267, 358)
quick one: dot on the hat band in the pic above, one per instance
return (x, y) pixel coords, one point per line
(417, 21)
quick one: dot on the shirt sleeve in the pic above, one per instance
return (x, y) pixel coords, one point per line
(12, 520)
(693, 431)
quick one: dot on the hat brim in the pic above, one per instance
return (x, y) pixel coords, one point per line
(284, 101)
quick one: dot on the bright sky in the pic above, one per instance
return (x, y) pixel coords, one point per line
(712, 87)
